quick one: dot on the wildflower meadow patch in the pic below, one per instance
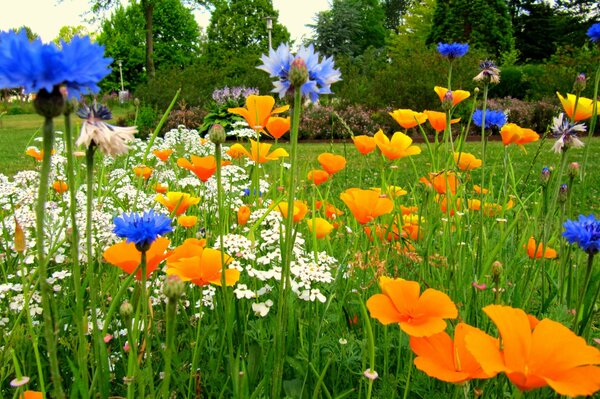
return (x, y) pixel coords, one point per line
(221, 265)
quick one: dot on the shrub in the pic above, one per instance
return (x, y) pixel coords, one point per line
(536, 115)
(189, 116)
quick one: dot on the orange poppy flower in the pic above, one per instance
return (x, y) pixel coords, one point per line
(300, 209)
(440, 357)
(398, 147)
(536, 355)
(585, 106)
(331, 212)
(441, 182)
(203, 167)
(408, 118)
(243, 214)
(163, 155)
(384, 233)
(318, 176)
(366, 205)
(202, 266)
(331, 163)
(161, 188)
(126, 256)
(466, 161)
(259, 152)
(319, 226)
(447, 206)
(143, 171)
(480, 190)
(391, 191)
(32, 395)
(513, 133)
(536, 251)
(187, 221)
(457, 95)
(489, 208)
(419, 315)
(364, 144)
(437, 120)
(278, 126)
(60, 186)
(176, 201)
(35, 153)
(235, 152)
(407, 210)
(258, 111)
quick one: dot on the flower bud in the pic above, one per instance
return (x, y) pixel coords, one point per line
(579, 84)
(563, 192)
(126, 311)
(448, 101)
(173, 287)
(573, 170)
(217, 134)
(298, 74)
(50, 105)
(497, 269)
(545, 175)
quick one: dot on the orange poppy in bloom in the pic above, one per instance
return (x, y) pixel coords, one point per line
(187, 221)
(319, 226)
(331, 163)
(392, 191)
(259, 152)
(176, 201)
(399, 146)
(126, 256)
(384, 233)
(537, 354)
(407, 210)
(513, 133)
(536, 251)
(163, 155)
(202, 266)
(331, 212)
(466, 161)
(32, 395)
(489, 208)
(437, 120)
(364, 144)
(35, 153)
(441, 182)
(143, 171)
(203, 167)
(480, 190)
(440, 357)
(60, 186)
(408, 118)
(446, 206)
(318, 176)
(278, 126)
(419, 315)
(235, 152)
(161, 188)
(258, 111)
(300, 209)
(457, 95)
(366, 205)
(585, 106)
(243, 214)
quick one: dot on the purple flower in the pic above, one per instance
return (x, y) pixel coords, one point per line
(594, 32)
(584, 232)
(142, 229)
(321, 73)
(33, 65)
(452, 50)
(492, 118)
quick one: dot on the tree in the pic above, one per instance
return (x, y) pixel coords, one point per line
(395, 11)
(67, 33)
(238, 29)
(350, 27)
(30, 34)
(484, 24)
(176, 40)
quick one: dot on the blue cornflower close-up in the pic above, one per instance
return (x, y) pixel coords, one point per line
(321, 74)
(80, 65)
(492, 118)
(584, 232)
(452, 50)
(142, 229)
(594, 32)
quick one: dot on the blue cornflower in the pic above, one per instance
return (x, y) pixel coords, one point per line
(321, 74)
(142, 229)
(492, 118)
(33, 65)
(585, 232)
(594, 32)
(452, 50)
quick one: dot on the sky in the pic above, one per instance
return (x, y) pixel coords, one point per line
(46, 17)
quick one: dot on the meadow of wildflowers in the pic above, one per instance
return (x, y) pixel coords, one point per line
(194, 266)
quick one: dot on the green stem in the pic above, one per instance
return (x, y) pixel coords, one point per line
(371, 345)
(50, 328)
(592, 126)
(171, 322)
(586, 284)
(483, 167)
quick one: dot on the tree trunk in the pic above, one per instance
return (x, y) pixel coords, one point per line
(148, 6)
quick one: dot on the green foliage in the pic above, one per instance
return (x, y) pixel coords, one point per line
(176, 40)
(485, 24)
(350, 27)
(67, 33)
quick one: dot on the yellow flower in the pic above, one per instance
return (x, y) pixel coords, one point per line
(408, 118)
(584, 110)
(258, 111)
(319, 226)
(457, 95)
(259, 152)
(466, 161)
(398, 147)
(176, 201)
